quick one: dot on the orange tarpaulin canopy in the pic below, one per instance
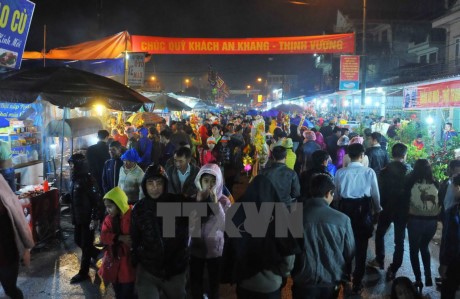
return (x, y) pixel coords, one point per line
(106, 48)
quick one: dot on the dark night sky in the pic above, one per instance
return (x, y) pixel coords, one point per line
(71, 22)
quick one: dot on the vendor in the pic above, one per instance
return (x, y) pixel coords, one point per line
(6, 164)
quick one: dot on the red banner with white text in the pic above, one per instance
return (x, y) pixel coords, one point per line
(334, 43)
(437, 95)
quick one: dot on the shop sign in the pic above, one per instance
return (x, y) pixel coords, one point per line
(135, 69)
(13, 110)
(15, 19)
(334, 43)
(349, 72)
(437, 95)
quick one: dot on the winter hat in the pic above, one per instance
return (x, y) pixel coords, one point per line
(118, 196)
(131, 155)
(343, 141)
(357, 139)
(309, 135)
(211, 140)
(152, 172)
(287, 143)
(143, 131)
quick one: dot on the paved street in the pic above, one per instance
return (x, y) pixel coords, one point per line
(52, 267)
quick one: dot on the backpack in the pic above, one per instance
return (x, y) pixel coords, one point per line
(424, 200)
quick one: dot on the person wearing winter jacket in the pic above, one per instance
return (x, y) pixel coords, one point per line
(161, 260)
(116, 264)
(208, 243)
(131, 176)
(111, 171)
(145, 148)
(87, 211)
(16, 239)
(259, 264)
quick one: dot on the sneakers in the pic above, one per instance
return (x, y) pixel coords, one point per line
(79, 278)
(375, 264)
(391, 275)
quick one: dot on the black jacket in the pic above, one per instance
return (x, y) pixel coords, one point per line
(96, 155)
(162, 257)
(86, 201)
(285, 181)
(391, 187)
(111, 174)
(378, 158)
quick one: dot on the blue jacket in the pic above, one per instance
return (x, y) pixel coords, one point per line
(111, 174)
(145, 152)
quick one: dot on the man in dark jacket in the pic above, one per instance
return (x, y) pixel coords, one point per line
(97, 154)
(87, 210)
(285, 180)
(327, 130)
(111, 171)
(161, 261)
(320, 160)
(378, 156)
(182, 174)
(305, 151)
(327, 246)
(395, 209)
(331, 143)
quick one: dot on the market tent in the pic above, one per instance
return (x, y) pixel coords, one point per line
(74, 127)
(144, 118)
(68, 87)
(164, 100)
(288, 108)
(107, 48)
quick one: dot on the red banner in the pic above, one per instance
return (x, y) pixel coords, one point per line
(443, 94)
(334, 43)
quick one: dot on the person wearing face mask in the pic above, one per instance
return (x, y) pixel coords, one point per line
(131, 176)
(208, 239)
(161, 261)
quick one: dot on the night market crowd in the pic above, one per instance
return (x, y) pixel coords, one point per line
(346, 184)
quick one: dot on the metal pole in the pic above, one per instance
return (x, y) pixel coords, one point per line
(44, 45)
(363, 58)
(62, 145)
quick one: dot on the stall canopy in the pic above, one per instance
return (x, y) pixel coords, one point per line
(106, 48)
(68, 87)
(163, 100)
(74, 127)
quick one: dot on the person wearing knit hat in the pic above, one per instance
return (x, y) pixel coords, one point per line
(305, 151)
(161, 260)
(290, 155)
(115, 235)
(131, 176)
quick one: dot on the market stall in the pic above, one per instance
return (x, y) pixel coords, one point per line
(74, 134)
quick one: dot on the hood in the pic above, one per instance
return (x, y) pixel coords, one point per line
(213, 169)
(154, 171)
(118, 196)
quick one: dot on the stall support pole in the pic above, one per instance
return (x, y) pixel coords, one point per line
(64, 112)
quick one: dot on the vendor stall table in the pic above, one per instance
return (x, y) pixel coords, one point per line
(42, 212)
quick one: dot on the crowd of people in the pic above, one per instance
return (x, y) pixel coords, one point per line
(341, 183)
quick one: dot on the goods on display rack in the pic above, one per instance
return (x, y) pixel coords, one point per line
(79, 133)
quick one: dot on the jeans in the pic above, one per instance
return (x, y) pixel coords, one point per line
(149, 286)
(197, 266)
(359, 212)
(421, 232)
(400, 222)
(246, 294)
